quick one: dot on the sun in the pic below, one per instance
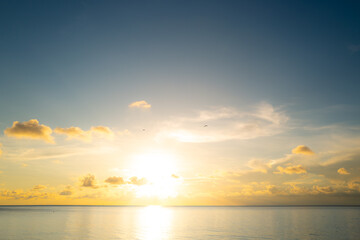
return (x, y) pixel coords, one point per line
(158, 168)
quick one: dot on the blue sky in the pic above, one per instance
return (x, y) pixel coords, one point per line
(86, 55)
(269, 75)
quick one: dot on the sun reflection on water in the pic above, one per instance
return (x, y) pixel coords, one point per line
(154, 223)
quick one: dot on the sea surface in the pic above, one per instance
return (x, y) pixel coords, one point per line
(154, 222)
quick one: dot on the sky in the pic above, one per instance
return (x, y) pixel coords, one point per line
(180, 102)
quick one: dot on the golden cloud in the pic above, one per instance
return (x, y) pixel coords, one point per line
(73, 132)
(343, 171)
(0, 149)
(102, 130)
(302, 149)
(87, 136)
(140, 104)
(115, 180)
(291, 170)
(30, 129)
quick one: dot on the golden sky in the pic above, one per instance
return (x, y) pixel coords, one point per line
(215, 156)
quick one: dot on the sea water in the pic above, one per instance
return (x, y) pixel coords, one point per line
(155, 222)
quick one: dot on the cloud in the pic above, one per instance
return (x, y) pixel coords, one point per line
(137, 181)
(115, 180)
(30, 129)
(101, 130)
(39, 187)
(324, 190)
(343, 171)
(67, 191)
(291, 170)
(1, 150)
(302, 149)
(120, 181)
(86, 136)
(140, 104)
(6, 194)
(73, 132)
(226, 123)
(88, 181)
(175, 176)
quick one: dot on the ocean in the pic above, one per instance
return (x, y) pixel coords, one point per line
(156, 223)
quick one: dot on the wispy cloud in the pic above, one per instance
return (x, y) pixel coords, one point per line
(56, 152)
(220, 124)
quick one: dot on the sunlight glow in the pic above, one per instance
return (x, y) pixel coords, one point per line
(157, 167)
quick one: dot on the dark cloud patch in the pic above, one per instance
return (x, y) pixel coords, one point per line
(30, 129)
(88, 181)
(115, 180)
